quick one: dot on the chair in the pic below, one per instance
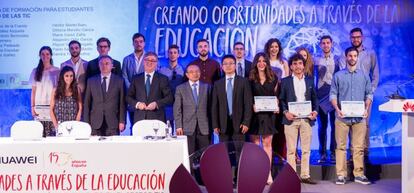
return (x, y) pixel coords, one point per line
(26, 130)
(145, 128)
(75, 129)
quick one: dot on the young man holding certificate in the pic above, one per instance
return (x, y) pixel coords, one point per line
(299, 105)
(351, 96)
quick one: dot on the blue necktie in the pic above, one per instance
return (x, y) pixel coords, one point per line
(148, 84)
(230, 96)
(240, 70)
(195, 96)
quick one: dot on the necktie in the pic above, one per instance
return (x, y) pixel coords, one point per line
(174, 74)
(148, 84)
(103, 85)
(240, 70)
(230, 96)
(195, 96)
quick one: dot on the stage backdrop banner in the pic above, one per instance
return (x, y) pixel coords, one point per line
(64, 165)
(26, 25)
(387, 27)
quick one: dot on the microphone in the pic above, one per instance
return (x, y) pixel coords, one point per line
(396, 94)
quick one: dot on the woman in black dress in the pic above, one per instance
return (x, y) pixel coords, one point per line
(264, 82)
(66, 103)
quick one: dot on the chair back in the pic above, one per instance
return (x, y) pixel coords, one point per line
(146, 128)
(77, 129)
(26, 130)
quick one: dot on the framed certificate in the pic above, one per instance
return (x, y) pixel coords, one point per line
(266, 103)
(300, 109)
(43, 111)
(353, 108)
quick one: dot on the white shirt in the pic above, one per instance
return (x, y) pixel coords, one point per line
(232, 80)
(280, 66)
(152, 76)
(300, 88)
(138, 62)
(197, 87)
(108, 78)
(45, 86)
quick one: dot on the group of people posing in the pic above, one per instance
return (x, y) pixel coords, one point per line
(206, 96)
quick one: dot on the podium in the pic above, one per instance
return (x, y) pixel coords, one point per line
(406, 107)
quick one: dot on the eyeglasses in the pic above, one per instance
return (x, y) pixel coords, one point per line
(103, 46)
(193, 72)
(151, 61)
(228, 64)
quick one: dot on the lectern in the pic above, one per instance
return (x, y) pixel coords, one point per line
(406, 107)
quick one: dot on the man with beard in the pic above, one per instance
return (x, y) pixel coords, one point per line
(367, 62)
(133, 65)
(243, 65)
(327, 64)
(209, 68)
(77, 63)
(350, 84)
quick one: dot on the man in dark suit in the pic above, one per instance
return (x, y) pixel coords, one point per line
(243, 66)
(104, 107)
(232, 106)
(298, 88)
(191, 110)
(231, 103)
(103, 45)
(149, 92)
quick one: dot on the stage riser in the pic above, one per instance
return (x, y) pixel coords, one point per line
(373, 172)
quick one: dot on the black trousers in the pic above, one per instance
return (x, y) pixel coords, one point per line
(322, 131)
(197, 141)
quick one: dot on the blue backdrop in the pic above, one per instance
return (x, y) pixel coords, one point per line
(387, 27)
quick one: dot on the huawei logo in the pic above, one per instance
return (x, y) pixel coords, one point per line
(215, 169)
(408, 107)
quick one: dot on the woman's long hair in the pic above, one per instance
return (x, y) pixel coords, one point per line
(254, 72)
(61, 86)
(309, 64)
(269, 44)
(40, 67)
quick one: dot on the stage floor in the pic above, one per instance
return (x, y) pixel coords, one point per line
(380, 186)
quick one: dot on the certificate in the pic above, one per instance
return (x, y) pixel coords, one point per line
(266, 103)
(43, 112)
(300, 109)
(353, 108)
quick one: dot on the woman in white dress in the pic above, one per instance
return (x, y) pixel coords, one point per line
(43, 79)
(273, 49)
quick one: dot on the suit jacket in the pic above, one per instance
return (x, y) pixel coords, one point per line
(248, 67)
(160, 92)
(93, 68)
(80, 74)
(242, 104)
(129, 68)
(287, 94)
(111, 106)
(187, 114)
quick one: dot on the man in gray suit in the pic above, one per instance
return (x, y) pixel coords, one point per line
(191, 110)
(104, 106)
